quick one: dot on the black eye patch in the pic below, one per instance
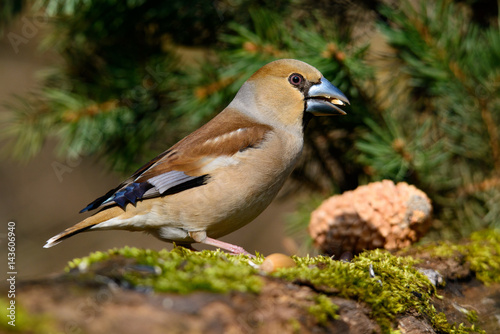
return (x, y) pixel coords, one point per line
(297, 80)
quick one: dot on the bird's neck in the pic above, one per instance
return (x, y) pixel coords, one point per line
(265, 113)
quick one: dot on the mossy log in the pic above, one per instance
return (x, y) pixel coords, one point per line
(443, 288)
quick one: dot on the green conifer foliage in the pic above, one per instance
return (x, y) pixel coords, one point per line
(441, 130)
(424, 110)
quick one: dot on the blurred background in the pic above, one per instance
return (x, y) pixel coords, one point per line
(90, 90)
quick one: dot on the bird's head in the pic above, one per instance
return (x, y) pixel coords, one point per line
(287, 91)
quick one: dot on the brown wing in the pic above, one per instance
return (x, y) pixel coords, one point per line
(184, 165)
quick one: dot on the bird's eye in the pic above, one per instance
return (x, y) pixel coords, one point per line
(295, 79)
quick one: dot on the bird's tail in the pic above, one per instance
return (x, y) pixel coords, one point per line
(84, 225)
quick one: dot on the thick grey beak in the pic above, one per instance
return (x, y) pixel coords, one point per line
(324, 98)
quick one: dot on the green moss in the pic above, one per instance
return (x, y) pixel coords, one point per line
(440, 322)
(26, 322)
(472, 316)
(482, 252)
(182, 270)
(295, 325)
(324, 309)
(396, 288)
(484, 255)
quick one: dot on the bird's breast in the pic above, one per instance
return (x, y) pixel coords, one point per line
(238, 191)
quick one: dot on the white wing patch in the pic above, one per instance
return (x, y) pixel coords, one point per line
(165, 181)
(224, 137)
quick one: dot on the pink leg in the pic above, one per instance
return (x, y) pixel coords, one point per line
(227, 246)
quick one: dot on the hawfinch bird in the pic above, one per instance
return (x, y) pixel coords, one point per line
(223, 175)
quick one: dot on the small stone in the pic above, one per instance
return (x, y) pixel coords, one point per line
(276, 261)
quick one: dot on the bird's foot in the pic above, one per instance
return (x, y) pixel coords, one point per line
(233, 249)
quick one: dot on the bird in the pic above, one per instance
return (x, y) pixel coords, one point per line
(223, 175)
